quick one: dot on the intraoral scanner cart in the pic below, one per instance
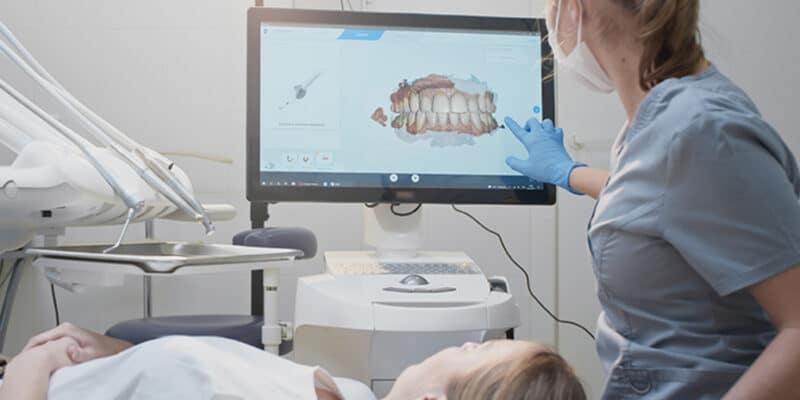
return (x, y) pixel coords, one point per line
(372, 314)
(368, 318)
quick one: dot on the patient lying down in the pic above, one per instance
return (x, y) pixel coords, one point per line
(69, 363)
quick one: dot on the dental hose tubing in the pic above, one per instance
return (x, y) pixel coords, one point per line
(161, 180)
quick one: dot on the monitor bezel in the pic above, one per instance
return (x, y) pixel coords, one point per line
(256, 192)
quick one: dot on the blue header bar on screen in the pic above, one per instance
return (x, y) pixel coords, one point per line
(361, 34)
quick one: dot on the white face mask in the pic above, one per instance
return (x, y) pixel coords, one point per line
(581, 62)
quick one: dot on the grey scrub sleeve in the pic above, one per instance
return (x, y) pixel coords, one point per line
(731, 211)
(701, 203)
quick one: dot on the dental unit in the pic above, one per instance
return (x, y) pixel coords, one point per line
(60, 178)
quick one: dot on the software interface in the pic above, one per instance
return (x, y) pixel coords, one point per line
(411, 108)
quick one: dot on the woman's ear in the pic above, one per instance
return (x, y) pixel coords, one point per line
(573, 8)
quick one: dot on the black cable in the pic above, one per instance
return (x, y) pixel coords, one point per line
(55, 304)
(341, 3)
(371, 205)
(8, 274)
(11, 269)
(404, 214)
(524, 272)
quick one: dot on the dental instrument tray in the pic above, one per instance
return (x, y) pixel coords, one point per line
(164, 257)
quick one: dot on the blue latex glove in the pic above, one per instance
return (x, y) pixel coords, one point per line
(548, 160)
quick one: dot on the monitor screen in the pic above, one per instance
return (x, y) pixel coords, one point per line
(352, 109)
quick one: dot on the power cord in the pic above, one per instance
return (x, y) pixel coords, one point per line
(11, 272)
(404, 214)
(55, 304)
(393, 209)
(8, 273)
(2, 269)
(524, 272)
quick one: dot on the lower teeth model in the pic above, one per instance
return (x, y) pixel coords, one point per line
(444, 104)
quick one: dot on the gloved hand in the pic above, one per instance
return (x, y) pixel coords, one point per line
(548, 160)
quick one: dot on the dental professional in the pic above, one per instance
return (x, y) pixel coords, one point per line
(695, 237)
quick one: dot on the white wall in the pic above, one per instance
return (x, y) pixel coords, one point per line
(172, 75)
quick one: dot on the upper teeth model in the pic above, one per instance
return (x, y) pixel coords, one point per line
(443, 104)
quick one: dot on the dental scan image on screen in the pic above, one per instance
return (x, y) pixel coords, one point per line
(412, 108)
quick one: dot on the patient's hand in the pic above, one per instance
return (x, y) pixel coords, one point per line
(92, 345)
(55, 354)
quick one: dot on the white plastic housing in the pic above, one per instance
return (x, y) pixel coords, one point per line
(392, 236)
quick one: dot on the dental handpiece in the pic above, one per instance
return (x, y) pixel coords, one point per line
(166, 175)
(152, 172)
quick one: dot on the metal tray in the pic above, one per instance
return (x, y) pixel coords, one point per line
(166, 257)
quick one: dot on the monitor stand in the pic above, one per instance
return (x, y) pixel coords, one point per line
(393, 236)
(395, 239)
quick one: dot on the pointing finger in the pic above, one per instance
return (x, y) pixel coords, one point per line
(520, 133)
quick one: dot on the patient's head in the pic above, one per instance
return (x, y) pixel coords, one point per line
(501, 369)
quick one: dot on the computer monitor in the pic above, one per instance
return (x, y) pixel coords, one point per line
(392, 108)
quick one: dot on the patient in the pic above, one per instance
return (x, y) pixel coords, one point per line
(69, 363)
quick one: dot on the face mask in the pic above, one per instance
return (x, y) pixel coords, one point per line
(581, 62)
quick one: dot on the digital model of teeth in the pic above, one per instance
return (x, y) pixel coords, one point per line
(440, 103)
(379, 116)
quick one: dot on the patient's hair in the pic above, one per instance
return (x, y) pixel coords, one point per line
(536, 375)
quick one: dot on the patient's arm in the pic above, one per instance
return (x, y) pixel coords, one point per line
(27, 377)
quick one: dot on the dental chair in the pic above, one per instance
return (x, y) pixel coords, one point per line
(243, 328)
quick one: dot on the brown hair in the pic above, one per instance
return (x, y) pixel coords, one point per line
(670, 36)
(537, 375)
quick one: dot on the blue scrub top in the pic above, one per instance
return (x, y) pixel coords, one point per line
(701, 203)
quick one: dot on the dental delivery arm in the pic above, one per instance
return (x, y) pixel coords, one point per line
(138, 176)
(155, 165)
(171, 189)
